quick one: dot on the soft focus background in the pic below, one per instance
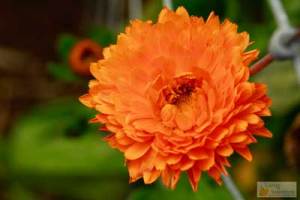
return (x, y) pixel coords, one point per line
(48, 151)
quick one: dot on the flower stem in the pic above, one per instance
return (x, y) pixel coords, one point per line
(232, 188)
(261, 64)
(267, 59)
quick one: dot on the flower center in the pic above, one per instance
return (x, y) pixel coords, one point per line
(180, 89)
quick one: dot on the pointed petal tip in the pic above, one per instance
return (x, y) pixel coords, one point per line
(150, 176)
(86, 100)
(245, 153)
(194, 175)
(182, 11)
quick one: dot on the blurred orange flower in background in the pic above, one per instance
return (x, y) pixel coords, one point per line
(83, 54)
(175, 97)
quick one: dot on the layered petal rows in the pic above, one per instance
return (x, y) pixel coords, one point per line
(175, 97)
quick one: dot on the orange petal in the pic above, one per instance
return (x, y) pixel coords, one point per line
(136, 150)
(249, 56)
(263, 132)
(168, 112)
(134, 169)
(213, 21)
(185, 118)
(105, 108)
(173, 159)
(224, 161)
(124, 140)
(194, 175)
(252, 119)
(150, 176)
(94, 69)
(206, 164)
(148, 125)
(186, 164)
(215, 174)
(225, 150)
(244, 152)
(165, 176)
(198, 154)
(265, 112)
(160, 163)
(174, 179)
(219, 134)
(182, 12)
(240, 125)
(238, 137)
(211, 144)
(163, 15)
(86, 100)
(245, 91)
(170, 178)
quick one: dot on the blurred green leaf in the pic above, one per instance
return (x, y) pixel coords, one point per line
(152, 9)
(293, 9)
(207, 190)
(64, 45)
(18, 192)
(194, 7)
(101, 35)
(282, 85)
(53, 149)
(78, 188)
(202, 7)
(62, 72)
(44, 143)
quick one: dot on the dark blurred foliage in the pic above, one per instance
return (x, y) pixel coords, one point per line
(47, 148)
(33, 25)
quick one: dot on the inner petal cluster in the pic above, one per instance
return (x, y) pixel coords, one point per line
(180, 89)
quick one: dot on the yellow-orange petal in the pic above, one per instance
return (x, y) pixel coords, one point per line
(173, 159)
(250, 56)
(238, 137)
(182, 12)
(225, 150)
(168, 113)
(136, 150)
(240, 125)
(251, 118)
(150, 176)
(265, 112)
(86, 100)
(185, 118)
(134, 169)
(160, 163)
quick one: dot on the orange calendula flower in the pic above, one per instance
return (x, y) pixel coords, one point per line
(176, 98)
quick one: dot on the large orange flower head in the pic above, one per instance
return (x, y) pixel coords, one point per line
(175, 97)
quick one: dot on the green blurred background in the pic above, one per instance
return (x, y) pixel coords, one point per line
(48, 150)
